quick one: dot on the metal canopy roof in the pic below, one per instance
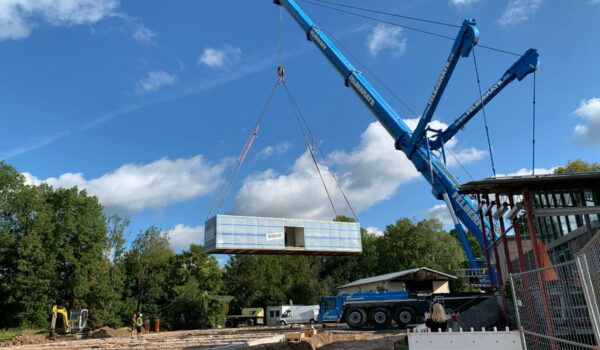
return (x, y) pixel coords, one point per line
(517, 184)
(397, 276)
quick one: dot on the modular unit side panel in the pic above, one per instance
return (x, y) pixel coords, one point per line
(333, 236)
(252, 233)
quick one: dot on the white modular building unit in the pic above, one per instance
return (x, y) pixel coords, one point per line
(229, 234)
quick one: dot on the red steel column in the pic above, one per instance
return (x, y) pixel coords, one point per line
(504, 243)
(485, 245)
(522, 265)
(538, 265)
(515, 224)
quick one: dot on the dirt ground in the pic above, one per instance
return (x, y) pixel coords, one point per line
(256, 338)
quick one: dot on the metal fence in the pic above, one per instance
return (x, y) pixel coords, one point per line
(556, 307)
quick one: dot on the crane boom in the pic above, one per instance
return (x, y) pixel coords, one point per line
(444, 184)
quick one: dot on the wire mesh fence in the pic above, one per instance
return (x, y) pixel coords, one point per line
(555, 306)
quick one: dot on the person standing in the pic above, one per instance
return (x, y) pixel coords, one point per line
(139, 323)
(182, 321)
(437, 320)
(133, 321)
(147, 324)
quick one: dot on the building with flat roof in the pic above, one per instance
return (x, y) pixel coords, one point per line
(419, 280)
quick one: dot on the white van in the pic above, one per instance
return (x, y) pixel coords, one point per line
(300, 314)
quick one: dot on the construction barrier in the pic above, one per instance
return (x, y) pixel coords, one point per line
(556, 307)
(471, 340)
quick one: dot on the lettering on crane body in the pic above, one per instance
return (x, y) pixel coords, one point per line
(484, 97)
(317, 39)
(439, 82)
(362, 91)
(470, 213)
(462, 203)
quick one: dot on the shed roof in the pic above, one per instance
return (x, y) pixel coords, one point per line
(397, 276)
(548, 182)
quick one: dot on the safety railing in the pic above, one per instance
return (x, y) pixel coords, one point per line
(557, 306)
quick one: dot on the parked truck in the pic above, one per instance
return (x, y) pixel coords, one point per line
(298, 314)
(249, 316)
(381, 308)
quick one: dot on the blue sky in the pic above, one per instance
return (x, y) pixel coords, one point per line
(146, 104)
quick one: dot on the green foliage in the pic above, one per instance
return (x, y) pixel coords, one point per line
(58, 247)
(577, 166)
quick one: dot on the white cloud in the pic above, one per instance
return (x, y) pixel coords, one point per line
(143, 34)
(155, 80)
(134, 187)
(374, 231)
(218, 58)
(268, 151)
(459, 3)
(526, 172)
(181, 236)
(591, 2)
(364, 173)
(386, 37)
(19, 17)
(518, 11)
(440, 212)
(588, 133)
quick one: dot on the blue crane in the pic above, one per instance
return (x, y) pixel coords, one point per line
(415, 144)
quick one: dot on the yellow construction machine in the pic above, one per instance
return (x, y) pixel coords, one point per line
(78, 320)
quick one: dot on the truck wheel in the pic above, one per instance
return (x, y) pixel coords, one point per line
(356, 317)
(228, 324)
(311, 321)
(404, 316)
(380, 317)
(249, 322)
(282, 323)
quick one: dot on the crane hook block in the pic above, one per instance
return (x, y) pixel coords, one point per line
(280, 71)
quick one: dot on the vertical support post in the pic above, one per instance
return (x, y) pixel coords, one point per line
(517, 315)
(515, 224)
(522, 265)
(485, 245)
(497, 257)
(504, 242)
(538, 265)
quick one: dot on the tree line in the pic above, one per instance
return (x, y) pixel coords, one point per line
(57, 246)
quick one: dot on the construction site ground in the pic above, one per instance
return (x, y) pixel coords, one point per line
(263, 338)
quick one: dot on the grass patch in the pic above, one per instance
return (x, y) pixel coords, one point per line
(11, 333)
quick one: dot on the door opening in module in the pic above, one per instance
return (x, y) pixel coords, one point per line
(294, 237)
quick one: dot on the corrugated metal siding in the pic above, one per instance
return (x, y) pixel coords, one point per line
(242, 234)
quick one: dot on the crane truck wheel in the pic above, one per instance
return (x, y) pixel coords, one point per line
(249, 322)
(356, 317)
(380, 317)
(404, 316)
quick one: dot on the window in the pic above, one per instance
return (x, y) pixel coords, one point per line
(286, 314)
(271, 314)
(329, 304)
(277, 313)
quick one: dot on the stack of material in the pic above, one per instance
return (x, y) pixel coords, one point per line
(305, 332)
(227, 234)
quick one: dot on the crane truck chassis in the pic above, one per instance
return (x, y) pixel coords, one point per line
(380, 308)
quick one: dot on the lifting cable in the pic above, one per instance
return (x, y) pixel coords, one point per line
(533, 131)
(298, 113)
(240, 160)
(400, 25)
(487, 133)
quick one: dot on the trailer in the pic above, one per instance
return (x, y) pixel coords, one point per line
(379, 309)
(249, 317)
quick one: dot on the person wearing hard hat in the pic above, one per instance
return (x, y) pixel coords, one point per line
(133, 320)
(139, 323)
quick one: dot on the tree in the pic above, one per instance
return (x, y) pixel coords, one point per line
(148, 264)
(577, 166)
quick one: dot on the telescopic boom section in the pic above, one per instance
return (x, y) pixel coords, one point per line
(434, 171)
(467, 38)
(526, 64)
